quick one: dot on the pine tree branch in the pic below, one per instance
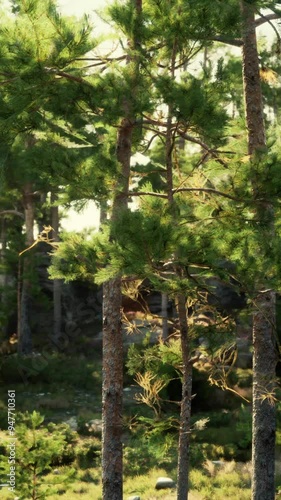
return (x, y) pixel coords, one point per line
(101, 59)
(147, 193)
(63, 74)
(208, 190)
(184, 135)
(11, 212)
(180, 190)
(3, 82)
(195, 140)
(146, 120)
(236, 42)
(266, 19)
(150, 142)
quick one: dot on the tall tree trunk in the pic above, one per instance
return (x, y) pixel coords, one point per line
(112, 390)
(57, 284)
(185, 414)
(25, 266)
(264, 328)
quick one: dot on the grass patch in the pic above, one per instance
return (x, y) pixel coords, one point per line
(220, 481)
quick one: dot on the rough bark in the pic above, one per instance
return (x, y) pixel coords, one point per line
(112, 390)
(251, 79)
(112, 397)
(264, 330)
(264, 412)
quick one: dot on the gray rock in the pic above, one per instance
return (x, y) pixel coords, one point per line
(134, 498)
(95, 426)
(165, 482)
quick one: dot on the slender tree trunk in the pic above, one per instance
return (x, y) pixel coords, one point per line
(103, 212)
(112, 391)
(264, 327)
(164, 315)
(25, 266)
(4, 278)
(44, 218)
(112, 400)
(57, 284)
(185, 416)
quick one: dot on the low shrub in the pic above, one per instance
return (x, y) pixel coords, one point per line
(88, 453)
(51, 369)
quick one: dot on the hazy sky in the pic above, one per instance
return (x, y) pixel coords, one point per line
(81, 6)
(90, 216)
(90, 7)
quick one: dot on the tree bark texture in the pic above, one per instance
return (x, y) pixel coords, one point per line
(185, 415)
(264, 327)
(251, 81)
(264, 413)
(112, 397)
(112, 392)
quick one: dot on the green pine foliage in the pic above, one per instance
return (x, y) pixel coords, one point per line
(75, 258)
(37, 450)
(194, 103)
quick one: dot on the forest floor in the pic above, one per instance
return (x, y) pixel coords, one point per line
(68, 389)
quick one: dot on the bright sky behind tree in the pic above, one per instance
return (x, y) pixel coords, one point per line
(89, 217)
(81, 6)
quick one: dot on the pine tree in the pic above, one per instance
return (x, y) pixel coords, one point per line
(201, 209)
(36, 133)
(112, 393)
(264, 317)
(186, 105)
